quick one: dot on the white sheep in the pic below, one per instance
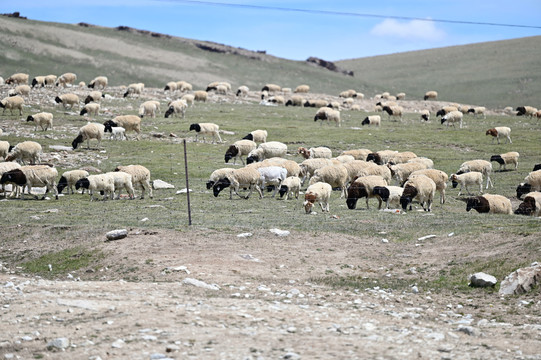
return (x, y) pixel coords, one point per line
(532, 182)
(325, 113)
(26, 150)
(65, 79)
(348, 94)
(479, 110)
(433, 95)
(271, 88)
(177, 107)
(184, 86)
(12, 103)
(317, 152)
(149, 108)
(372, 120)
(452, 118)
(343, 159)
(140, 177)
(200, 95)
(5, 167)
(90, 108)
(271, 175)
(258, 136)
(363, 186)
(88, 132)
(394, 111)
(290, 186)
(94, 96)
(238, 149)
(488, 203)
(531, 204)
(320, 192)
(389, 194)
(4, 149)
(217, 175)
(429, 164)
(17, 78)
(267, 150)
(97, 183)
(381, 157)
(482, 166)
(469, 178)
(42, 119)
(401, 172)
(302, 89)
(446, 110)
(309, 166)
(420, 187)
(357, 168)
(358, 154)
(20, 90)
(506, 159)
(439, 177)
(296, 100)
(188, 99)
(69, 179)
(402, 157)
(206, 129)
(134, 89)
(246, 177)
(122, 180)
(30, 176)
(49, 80)
(171, 86)
(243, 91)
(67, 100)
(498, 132)
(128, 122)
(334, 175)
(98, 82)
(425, 114)
(117, 133)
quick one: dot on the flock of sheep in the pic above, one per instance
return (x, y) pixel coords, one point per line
(358, 173)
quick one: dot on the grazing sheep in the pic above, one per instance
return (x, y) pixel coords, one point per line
(149, 108)
(290, 186)
(184, 86)
(293, 169)
(258, 136)
(20, 90)
(364, 186)
(439, 177)
(348, 103)
(104, 183)
(29, 176)
(532, 182)
(359, 168)
(200, 95)
(188, 99)
(246, 177)
(122, 180)
(420, 187)
(401, 172)
(505, 159)
(389, 194)
(66, 100)
(98, 82)
(401, 96)
(425, 115)
(206, 129)
(492, 204)
(358, 154)
(433, 95)
(271, 175)
(334, 105)
(88, 132)
(342, 159)
(479, 110)
(394, 111)
(482, 166)
(12, 103)
(277, 99)
(348, 94)
(4, 149)
(271, 88)
(319, 103)
(498, 132)
(177, 107)
(65, 79)
(317, 152)
(18, 78)
(469, 178)
(117, 133)
(128, 122)
(5, 167)
(453, 117)
(243, 91)
(133, 89)
(42, 119)
(140, 177)
(171, 86)
(372, 120)
(90, 108)
(526, 111)
(217, 175)
(220, 87)
(302, 89)
(446, 110)
(531, 204)
(69, 179)
(381, 157)
(38, 81)
(93, 96)
(296, 100)
(238, 149)
(334, 175)
(309, 166)
(267, 150)
(26, 150)
(401, 157)
(429, 164)
(325, 113)
(320, 192)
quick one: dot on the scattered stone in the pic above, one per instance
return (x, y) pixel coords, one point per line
(59, 343)
(481, 279)
(279, 232)
(183, 191)
(116, 234)
(385, 241)
(118, 344)
(160, 184)
(179, 268)
(60, 148)
(292, 356)
(426, 237)
(243, 235)
(144, 219)
(172, 348)
(201, 284)
(468, 330)
(249, 257)
(521, 281)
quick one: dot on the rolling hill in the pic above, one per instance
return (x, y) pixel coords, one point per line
(494, 74)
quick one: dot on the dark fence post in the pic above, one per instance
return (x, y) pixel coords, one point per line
(187, 185)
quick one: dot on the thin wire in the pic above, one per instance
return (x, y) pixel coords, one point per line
(346, 13)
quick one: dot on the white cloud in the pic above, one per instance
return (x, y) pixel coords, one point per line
(411, 30)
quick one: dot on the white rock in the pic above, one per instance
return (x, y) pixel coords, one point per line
(384, 241)
(118, 344)
(521, 281)
(60, 148)
(183, 191)
(426, 237)
(201, 284)
(481, 279)
(160, 184)
(243, 235)
(59, 343)
(116, 234)
(279, 232)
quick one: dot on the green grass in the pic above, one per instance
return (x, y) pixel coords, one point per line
(64, 261)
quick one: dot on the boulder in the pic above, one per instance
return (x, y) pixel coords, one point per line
(481, 279)
(521, 281)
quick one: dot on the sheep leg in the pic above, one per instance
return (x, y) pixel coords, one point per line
(442, 197)
(258, 190)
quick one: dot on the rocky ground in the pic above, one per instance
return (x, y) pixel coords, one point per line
(202, 294)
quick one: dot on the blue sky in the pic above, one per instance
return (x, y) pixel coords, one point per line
(298, 35)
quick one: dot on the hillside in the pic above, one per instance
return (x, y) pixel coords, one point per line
(494, 74)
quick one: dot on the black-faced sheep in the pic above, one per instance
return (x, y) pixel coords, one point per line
(320, 192)
(18, 78)
(290, 186)
(67, 100)
(421, 188)
(498, 132)
(394, 111)
(452, 118)
(90, 108)
(267, 150)
(69, 179)
(88, 132)
(217, 175)
(100, 183)
(296, 100)
(140, 178)
(20, 90)
(506, 159)
(526, 111)
(446, 110)
(325, 113)
(425, 114)
(372, 120)
(94, 96)
(531, 205)
(532, 182)
(363, 186)
(98, 82)
(381, 157)
(478, 111)
(204, 129)
(32, 176)
(258, 136)
(238, 149)
(492, 204)
(134, 89)
(271, 88)
(319, 103)
(128, 122)
(432, 95)
(5, 167)
(243, 91)
(317, 152)
(246, 177)
(42, 119)
(389, 194)
(177, 107)
(12, 103)
(65, 79)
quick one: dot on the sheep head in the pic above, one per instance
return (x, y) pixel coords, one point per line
(498, 159)
(366, 121)
(82, 183)
(283, 190)
(195, 127)
(309, 200)
(527, 207)
(522, 189)
(479, 203)
(77, 141)
(169, 111)
(29, 118)
(409, 193)
(382, 192)
(304, 152)
(355, 192)
(58, 99)
(231, 153)
(62, 184)
(492, 132)
(248, 137)
(220, 185)
(15, 176)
